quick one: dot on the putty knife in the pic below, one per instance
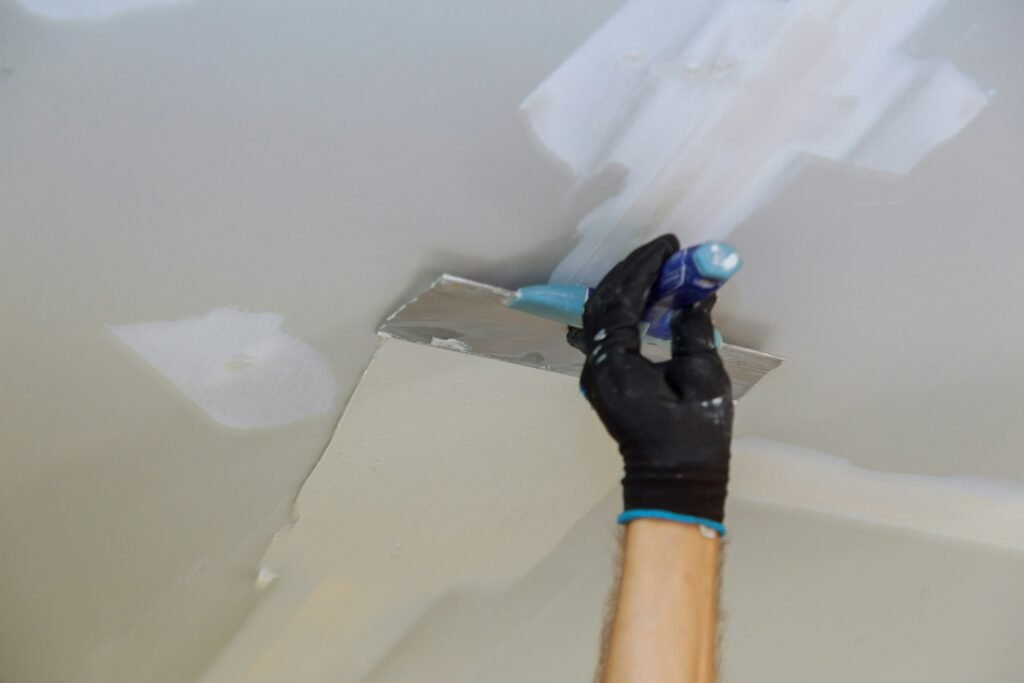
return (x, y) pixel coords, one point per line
(473, 317)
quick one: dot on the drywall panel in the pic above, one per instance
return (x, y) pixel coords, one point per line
(907, 336)
(460, 527)
(814, 598)
(447, 470)
(708, 107)
(807, 598)
(785, 621)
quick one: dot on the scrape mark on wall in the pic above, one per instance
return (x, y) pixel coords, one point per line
(711, 105)
(239, 367)
(87, 9)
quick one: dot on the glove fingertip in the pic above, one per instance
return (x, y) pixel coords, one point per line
(621, 296)
(576, 339)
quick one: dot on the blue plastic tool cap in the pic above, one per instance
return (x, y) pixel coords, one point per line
(717, 260)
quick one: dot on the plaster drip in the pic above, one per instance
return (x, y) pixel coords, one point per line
(709, 107)
(451, 344)
(240, 368)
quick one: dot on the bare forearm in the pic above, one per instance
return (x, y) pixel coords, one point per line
(665, 621)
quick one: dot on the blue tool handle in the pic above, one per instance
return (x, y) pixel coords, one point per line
(688, 276)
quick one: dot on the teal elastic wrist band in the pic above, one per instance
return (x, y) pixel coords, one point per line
(629, 515)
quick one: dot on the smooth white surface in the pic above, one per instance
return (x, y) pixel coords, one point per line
(707, 108)
(807, 598)
(325, 160)
(447, 470)
(981, 511)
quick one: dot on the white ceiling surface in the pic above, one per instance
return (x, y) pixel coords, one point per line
(321, 161)
(907, 609)
(414, 534)
(447, 471)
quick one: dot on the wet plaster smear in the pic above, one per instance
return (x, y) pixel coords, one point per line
(460, 528)
(703, 110)
(240, 368)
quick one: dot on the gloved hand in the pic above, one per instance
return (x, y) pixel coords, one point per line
(672, 420)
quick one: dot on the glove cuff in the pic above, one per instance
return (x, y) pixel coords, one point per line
(702, 498)
(630, 515)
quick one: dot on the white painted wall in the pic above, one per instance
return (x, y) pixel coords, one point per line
(321, 161)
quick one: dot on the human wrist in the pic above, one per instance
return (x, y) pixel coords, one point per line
(666, 532)
(690, 499)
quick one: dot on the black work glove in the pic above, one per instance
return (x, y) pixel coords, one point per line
(672, 420)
